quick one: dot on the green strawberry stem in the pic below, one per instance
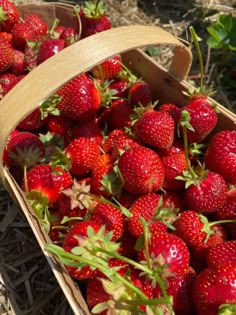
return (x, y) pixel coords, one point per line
(25, 178)
(65, 257)
(66, 219)
(196, 40)
(146, 236)
(227, 309)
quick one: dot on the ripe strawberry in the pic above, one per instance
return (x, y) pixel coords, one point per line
(203, 119)
(208, 195)
(93, 18)
(7, 36)
(81, 99)
(19, 65)
(24, 149)
(174, 165)
(123, 143)
(47, 180)
(117, 115)
(9, 15)
(88, 129)
(6, 55)
(68, 34)
(111, 217)
(155, 128)
(172, 109)
(180, 287)
(6, 79)
(220, 155)
(59, 124)
(38, 24)
(168, 254)
(48, 48)
(33, 120)
(141, 169)
(108, 69)
(222, 254)
(83, 153)
(77, 237)
(214, 287)
(10, 83)
(21, 33)
(109, 142)
(145, 207)
(140, 93)
(120, 87)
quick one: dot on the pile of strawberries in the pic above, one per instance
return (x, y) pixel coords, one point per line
(138, 197)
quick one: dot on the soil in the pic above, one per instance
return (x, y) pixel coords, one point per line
(27, 285)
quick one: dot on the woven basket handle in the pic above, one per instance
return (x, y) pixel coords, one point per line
(45, 79)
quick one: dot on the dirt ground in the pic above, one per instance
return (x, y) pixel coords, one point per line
(27, 285)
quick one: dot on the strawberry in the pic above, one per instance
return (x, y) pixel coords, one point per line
(155, 128)
(24, 149)
(59, 124)
(172, 109)
(33, 120)
(203, 119)
(19, 65)
(93, 18)
(68, 34)
(141, 169)
(174, 165)
(83, 153)
(48, 48)
(108, 69)
(117, 115)
(111, 217)
(7, 36)
(140, 93)
(81, 99)
(21, 33)
(6, 55)
(214, 287)
(220, 155)
(120, 86)
(38, 24)
(208, 195)
(9, 15)
(6, 80)
(88, 129)
(168, 254)
(123, 143)
(222, 254)
(77, 237)
(109, 142)
(145, 207)
(48, 181)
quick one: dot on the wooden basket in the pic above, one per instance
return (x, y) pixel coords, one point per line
(44, 80)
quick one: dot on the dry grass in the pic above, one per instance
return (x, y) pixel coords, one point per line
(27, 285)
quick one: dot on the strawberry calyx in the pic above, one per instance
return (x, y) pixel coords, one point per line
(95, 252)
(3, 15)
(227, 309)
(60, 158)
(94, 9)
(39, 203)
(50, 106)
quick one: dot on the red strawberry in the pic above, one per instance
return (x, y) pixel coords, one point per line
(77, 237)
(222, 254)
(140, 93)
(7, 36)
(19, 65)
(47, 180)
(24, 149)
(208, 195)
(167, 252)
(203, 119)
(180, 287)
(155, 128)
(145, 207)
(109, 68)
(172, 109)
(6, 80)
(6, 55)
(141, 169)
(38, 24)
(93, 18)
(214, 287)
(123, 143)
(117, 115)
(83, 153)
(21, 33)
(120, 87)
(220, 155)
(81, 99)
(68, 34)
(110, 140)
(88, 129)
(111, 217)
(59, 124)
(174, 165)
(49, 48)
(9, 15)
(33, 120)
